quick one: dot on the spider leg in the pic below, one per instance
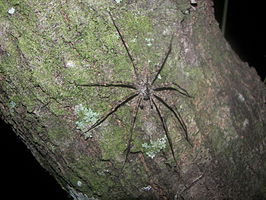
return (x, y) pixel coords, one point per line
(125, 45)
(114, 109)
(114, 84)
(177, 115)
(131, 130)
(165, 130)
(150, 102)
(179, 90)
(182, 89)
(163, 61)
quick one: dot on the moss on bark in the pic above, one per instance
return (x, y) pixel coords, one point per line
(47, 46)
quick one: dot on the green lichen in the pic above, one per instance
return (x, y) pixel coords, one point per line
(11, 106)
(118, 1)
(78, 195)
(149, 41)
(154, 147)
(86, 117)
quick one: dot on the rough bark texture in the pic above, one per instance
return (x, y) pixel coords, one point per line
(46, 46)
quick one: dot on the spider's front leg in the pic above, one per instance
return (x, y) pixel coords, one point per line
(163, 61)
(111, 84)
(125, 46)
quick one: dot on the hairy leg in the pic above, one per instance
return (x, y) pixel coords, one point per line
(112, 84)
(125, 45)
(113, 110)
(177, 116)
(131, 129)
(179, 89)
(163, 61)
(165, 130)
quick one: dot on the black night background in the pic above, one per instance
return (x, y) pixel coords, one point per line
(22, 177)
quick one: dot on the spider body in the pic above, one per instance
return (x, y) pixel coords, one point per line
(146, 91)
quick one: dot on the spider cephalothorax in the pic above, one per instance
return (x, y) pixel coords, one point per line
(144, 90)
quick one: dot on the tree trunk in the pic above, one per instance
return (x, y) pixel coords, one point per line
(201, 136)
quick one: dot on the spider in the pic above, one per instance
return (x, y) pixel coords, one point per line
(146, 91)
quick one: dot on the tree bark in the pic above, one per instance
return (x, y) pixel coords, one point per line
(48, 48)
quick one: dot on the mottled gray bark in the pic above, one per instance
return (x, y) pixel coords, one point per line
(47, 46)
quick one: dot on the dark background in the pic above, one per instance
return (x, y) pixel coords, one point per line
(23, 177)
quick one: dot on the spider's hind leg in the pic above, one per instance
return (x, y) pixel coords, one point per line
(165, 131)
(176, 87)
(131, 130)
(113, 110)
(177, 116)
